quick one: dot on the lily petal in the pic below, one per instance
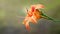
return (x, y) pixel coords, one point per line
(27, 26)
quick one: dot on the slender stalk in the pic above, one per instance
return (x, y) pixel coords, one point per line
(49, 18)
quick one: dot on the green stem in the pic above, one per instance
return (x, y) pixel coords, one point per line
(49, 18)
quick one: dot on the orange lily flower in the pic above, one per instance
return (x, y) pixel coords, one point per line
(33, 15)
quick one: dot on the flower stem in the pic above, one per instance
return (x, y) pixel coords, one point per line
(49, 18)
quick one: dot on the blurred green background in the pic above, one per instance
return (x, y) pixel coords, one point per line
(11, 10)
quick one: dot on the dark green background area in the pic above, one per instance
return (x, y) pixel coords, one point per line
(11, 22)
